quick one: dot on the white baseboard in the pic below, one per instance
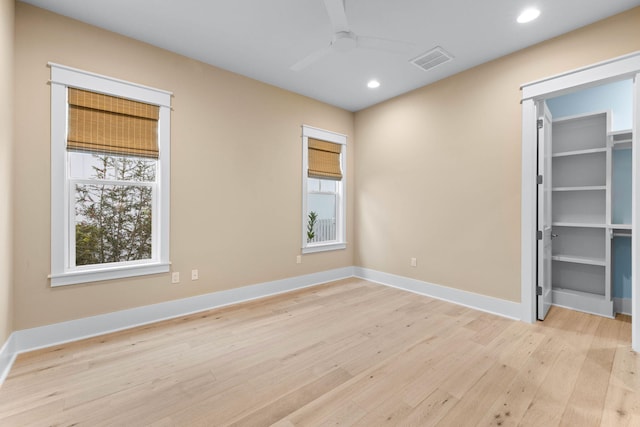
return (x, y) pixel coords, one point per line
(500, 307)
(73, 330)
(622, 305)
(7, 356)
(583, 301)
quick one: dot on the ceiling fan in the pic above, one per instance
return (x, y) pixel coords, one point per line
(344, 39)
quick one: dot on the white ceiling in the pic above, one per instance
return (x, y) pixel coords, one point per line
(262, 39)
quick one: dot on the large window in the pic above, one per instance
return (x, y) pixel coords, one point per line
(110, 178)
(323, 184)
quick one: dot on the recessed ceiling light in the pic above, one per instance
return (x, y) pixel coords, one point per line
(528, 15)
(373, 84)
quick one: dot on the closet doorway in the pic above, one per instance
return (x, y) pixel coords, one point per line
(590, 199)
(579, 190)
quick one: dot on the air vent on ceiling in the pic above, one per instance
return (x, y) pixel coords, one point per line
(433, 58)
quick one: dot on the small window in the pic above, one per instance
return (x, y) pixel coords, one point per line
(323, 185)
(110, 178)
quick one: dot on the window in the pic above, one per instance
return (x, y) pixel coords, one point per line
(323, 188)
(109, 178)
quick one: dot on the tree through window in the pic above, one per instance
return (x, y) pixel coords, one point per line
(113, 221)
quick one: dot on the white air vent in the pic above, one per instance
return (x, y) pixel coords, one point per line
(432, 59)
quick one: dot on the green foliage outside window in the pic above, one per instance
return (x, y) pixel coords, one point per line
(313, 217)
(114, 221)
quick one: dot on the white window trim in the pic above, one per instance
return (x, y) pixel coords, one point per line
(337, 138)
(62, 274)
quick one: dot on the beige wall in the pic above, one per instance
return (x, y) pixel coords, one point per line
(6, 144)
(235, 172)
(438, 169)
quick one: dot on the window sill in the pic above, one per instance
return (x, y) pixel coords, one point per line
(108, 273)
(324, 247)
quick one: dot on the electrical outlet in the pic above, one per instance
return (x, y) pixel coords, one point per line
(299, 259)
(175, 277)
(414, 262)
(194, 274)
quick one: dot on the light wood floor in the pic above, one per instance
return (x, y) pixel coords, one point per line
(346, 353)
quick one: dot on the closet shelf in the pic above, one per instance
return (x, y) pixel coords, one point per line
(621, 135)
(581, 188)
(625, 145)
(621, 139)
(580, 152)
(620, 226)
(579, 224)
(580, 260)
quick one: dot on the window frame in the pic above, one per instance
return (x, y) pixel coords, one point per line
(341, 191)
(63, 269)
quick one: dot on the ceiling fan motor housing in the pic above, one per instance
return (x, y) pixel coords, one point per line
(344, 41)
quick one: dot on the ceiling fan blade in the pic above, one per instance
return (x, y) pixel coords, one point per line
(393, 46)
(310, 59)
(337, 15)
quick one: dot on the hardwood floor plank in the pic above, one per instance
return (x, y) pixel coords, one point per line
(431, 410)
(486, 390)
(550, 400)
(510, 408)
(622, 405)
(286, 404)
(586, 403)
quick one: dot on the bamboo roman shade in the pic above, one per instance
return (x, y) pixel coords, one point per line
(108, 124)
(324, 160)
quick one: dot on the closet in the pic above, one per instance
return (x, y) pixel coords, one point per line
(591, 207)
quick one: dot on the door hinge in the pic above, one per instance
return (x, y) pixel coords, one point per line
(539, 179)
(540, 123)
(539, 235)
(538, 290)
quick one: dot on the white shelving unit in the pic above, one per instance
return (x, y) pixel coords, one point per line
(581, 213)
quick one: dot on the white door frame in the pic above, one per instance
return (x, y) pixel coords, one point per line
(624, 67)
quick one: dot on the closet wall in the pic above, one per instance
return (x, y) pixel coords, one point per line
(617, 98)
